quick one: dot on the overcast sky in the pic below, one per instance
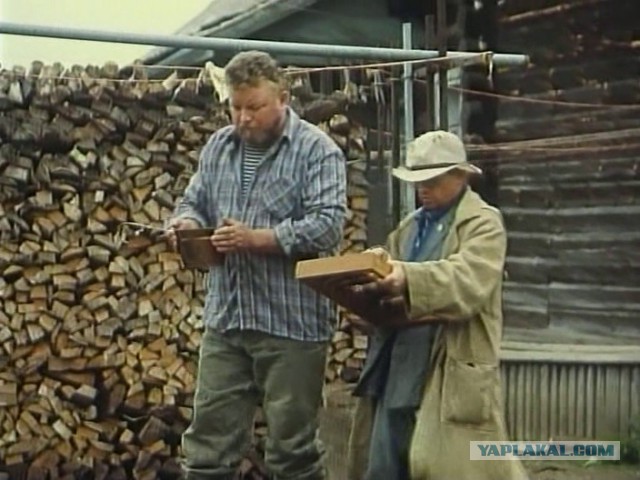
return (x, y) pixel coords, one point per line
(138, 16)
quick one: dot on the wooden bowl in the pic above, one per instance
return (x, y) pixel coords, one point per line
(196, 250)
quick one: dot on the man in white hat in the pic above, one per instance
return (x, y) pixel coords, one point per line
(432, 385)
(432, 155)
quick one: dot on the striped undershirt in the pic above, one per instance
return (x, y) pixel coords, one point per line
(252, 156)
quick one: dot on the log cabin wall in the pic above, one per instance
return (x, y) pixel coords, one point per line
(569, 189)
(99, 338)
(572, 209)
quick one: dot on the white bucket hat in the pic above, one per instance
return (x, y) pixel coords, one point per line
(433, 154)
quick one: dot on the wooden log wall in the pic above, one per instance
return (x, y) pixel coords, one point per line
(572, 212)
(99, 337)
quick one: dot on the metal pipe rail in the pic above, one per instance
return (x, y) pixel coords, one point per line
(233, 44)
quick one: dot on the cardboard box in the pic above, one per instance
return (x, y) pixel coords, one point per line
(332, 276)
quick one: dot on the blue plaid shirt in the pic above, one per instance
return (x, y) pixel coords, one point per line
(299, 190)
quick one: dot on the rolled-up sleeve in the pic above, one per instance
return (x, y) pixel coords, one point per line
(324, 204)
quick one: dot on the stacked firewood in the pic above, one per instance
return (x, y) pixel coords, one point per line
(99, 332)
(348, 349)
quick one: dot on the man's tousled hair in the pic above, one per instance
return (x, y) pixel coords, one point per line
(252, 67)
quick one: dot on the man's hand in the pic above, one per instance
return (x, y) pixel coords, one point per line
(233, 236)
(380, 252)
(178, 224)
(393, 285)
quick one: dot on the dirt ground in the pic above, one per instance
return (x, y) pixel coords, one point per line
(334, 436)
(576, 471)
(335, 424)
(335, 421)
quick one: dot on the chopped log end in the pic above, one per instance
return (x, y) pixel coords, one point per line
(99, 332)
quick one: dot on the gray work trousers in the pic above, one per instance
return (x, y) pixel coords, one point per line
(236, 371)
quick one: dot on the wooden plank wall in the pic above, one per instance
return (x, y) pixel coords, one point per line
(569, 176)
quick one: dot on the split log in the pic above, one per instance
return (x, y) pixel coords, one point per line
(348, 348)
(99, 338)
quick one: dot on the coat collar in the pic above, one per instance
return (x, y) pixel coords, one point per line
(469, 206)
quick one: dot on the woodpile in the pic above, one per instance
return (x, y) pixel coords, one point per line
(348, 348)
(100, 339)
(100, 333)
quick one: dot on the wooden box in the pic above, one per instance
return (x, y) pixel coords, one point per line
(342, 266)
(332, 276)
(195, 248)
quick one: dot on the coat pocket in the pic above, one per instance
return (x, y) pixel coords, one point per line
(467, 392)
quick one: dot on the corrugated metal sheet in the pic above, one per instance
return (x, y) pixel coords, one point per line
(564, 401)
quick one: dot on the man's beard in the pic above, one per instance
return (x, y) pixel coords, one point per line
(260, 138)
(263, 138)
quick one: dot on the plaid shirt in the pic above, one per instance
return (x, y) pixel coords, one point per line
(299, 190)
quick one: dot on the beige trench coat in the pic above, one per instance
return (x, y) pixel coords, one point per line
(462, 401)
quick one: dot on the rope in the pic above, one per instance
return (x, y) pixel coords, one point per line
(546, 102)
(512, 98)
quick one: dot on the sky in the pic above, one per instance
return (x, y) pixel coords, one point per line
(135, 16)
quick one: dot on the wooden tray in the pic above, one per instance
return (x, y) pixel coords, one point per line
(332, 276)
(343, 266)
(195, 248)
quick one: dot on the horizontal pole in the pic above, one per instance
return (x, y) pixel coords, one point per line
(237, 45)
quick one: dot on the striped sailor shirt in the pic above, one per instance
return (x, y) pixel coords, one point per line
(251, 158)
(297, 187)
